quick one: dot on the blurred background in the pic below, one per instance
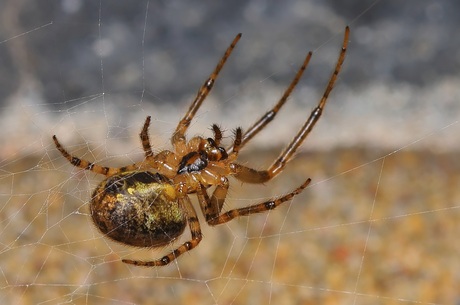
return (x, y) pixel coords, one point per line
(378, 225)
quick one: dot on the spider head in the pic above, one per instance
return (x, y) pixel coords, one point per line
(195, 161)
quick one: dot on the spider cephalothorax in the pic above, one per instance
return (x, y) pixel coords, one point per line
(146, 204)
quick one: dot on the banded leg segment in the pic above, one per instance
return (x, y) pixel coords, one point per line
(98, 169)
(179, 135)
(195, 231)
(145, 139)
(257, 208)
(270, 115)
(249, 175)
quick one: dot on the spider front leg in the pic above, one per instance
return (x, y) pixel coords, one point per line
(250, 175)
(245, 211)
(178, 138)
(195, 230)
(270, 115)
(98, 169)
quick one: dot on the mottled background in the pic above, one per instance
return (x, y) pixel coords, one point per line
(381, 220)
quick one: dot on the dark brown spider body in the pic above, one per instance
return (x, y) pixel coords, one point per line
(138, 208)
(147, 204)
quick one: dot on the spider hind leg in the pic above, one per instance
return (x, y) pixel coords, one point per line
(98, 169)
(257, 208)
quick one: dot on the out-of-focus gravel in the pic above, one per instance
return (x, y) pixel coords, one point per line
(372, 228)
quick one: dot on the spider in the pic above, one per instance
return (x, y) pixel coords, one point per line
(147, 204)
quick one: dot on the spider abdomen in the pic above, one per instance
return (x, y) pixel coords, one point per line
(139, 209)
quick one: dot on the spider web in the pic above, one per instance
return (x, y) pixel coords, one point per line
(378, 225)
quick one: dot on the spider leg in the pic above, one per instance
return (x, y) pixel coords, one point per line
(257, 208)
(270, 115)
(250, 175)
(145, 139)
(195, 230)
(211, 207)
(163, 161)
(178, 138)
(98, 169)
